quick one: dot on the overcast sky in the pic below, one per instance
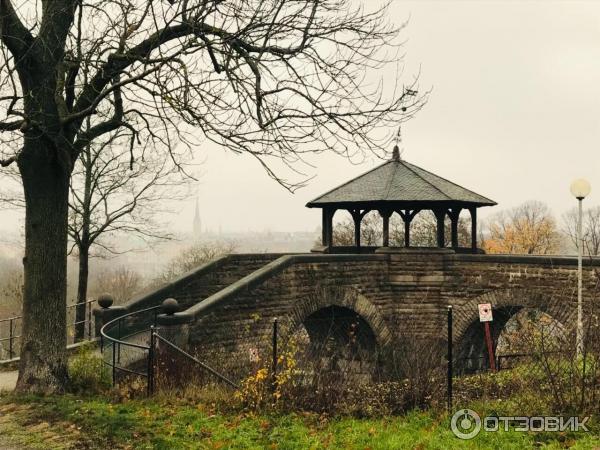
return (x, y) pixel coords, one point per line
(514, 115)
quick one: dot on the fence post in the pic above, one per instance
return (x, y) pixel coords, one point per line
(119, 348)
(114, 363)
(10, 339)
(150, 374)
(274, 381)
(450, 374)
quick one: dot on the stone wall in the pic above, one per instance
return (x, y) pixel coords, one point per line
(190, 288)
(245, 319)
(545, 283)
(395, 293)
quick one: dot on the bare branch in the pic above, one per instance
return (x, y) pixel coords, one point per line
(13, 33)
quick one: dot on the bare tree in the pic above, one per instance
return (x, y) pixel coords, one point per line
(423, 231)
(590, 229)
(121, 282)
(192, 257)
(274, 79)
(527, 229)
(371, 231)
(110, 196)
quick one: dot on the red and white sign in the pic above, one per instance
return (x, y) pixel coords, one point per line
(253, 354)
(485, 312)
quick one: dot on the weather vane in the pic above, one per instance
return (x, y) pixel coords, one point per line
(410, 93)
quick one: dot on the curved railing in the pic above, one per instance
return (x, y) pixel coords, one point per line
(129, 342)
(125, 342)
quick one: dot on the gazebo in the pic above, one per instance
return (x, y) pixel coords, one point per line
(401, 187)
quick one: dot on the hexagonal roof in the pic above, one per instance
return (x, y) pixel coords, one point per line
(397, 181)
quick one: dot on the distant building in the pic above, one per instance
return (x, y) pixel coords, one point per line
(197, 224)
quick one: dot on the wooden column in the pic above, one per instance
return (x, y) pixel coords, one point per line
(330, 227)
(454, 232)
(407, 216)
(473, 211)
(324, 225)
(454, 215)
(357, 216)
(440, 215)
(327, 234)
(385, 215)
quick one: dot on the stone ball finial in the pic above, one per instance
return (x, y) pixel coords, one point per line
(396, 153)
(105, 300)
(170, 306)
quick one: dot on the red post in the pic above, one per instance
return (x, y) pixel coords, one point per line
(488, 341)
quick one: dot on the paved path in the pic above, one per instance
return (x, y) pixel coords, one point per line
(8, 380)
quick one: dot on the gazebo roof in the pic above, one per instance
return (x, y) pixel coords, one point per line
(397, 181)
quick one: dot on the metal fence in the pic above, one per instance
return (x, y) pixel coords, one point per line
(126, 347)
(332, 364)
(550, 370)
(138, 355)
(10, 329)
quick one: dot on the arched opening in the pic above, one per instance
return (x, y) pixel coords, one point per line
(397, 231)
(337, 328)
(423, 230)
(517, 332)
(371, 230)
(335, 339)
(464, 229)
(447, 231)
(343, 229)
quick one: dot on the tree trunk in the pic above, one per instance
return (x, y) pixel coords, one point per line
(43, 366)
(82, 286)
(83, 245)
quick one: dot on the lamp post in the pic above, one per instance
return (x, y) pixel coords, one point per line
(580, 189)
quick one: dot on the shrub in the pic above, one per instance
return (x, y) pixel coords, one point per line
(345, 381)
(87, 371)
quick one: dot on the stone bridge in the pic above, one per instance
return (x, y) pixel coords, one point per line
(229, 304)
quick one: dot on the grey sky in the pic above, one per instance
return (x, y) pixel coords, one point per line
(514, 115)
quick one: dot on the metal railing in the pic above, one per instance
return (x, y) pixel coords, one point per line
(87, 322)
(10, 330)
(158, 338)
(11, 338)
(129, 346)
(126, 344)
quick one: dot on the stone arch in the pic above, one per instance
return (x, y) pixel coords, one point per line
(344, 299)
(506, 303)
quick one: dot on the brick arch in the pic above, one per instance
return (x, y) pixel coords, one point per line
(466, 312)
(347, 297)
(468, 335)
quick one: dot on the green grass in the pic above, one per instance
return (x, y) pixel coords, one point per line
(62, 422)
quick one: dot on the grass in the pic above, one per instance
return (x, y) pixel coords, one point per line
(72, 422)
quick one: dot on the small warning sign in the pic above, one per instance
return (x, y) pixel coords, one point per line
(485, 312)
(253, 353)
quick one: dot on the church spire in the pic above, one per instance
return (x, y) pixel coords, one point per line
(197, 224)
